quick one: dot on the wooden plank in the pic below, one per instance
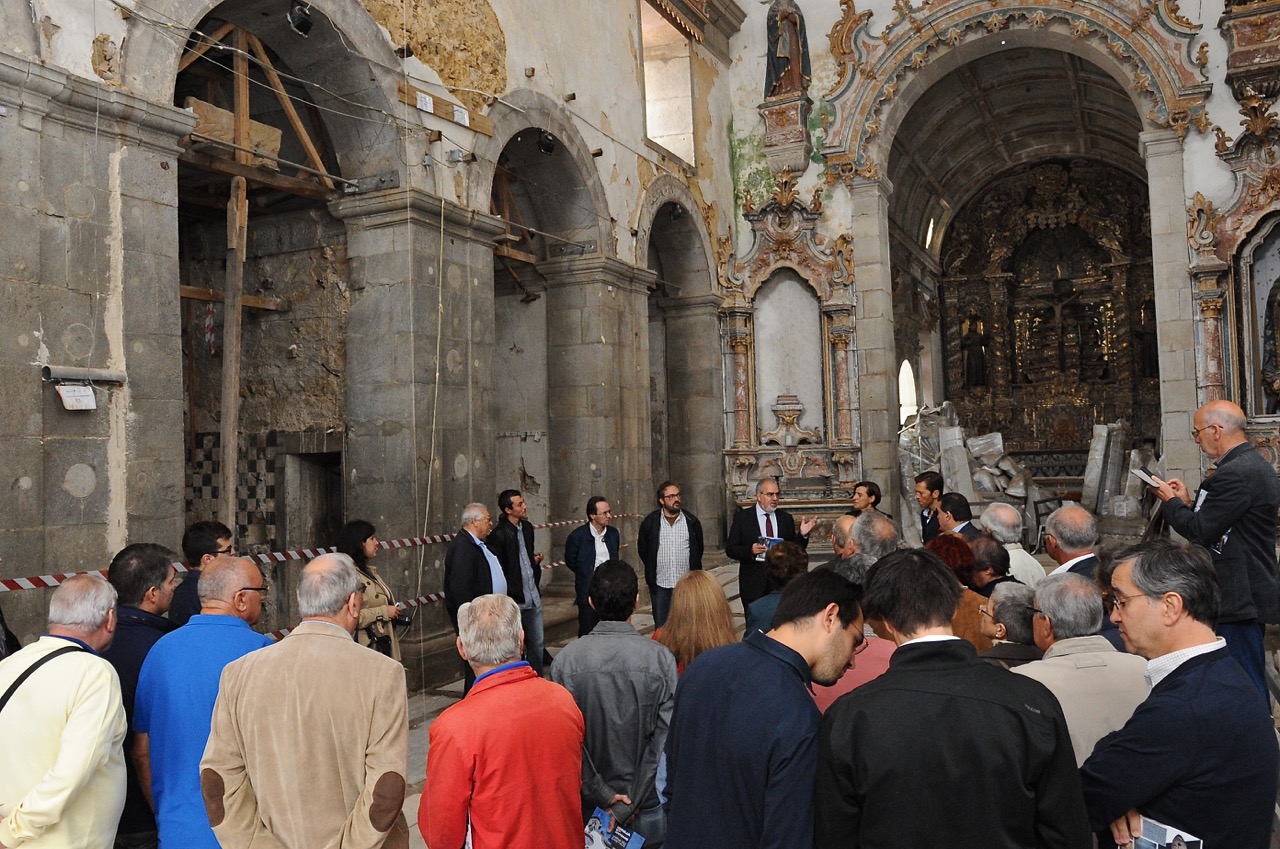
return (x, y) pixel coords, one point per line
(257, 302)
(256, 175)
(214, 122)
(444, 109)
(240, 83)
(516, 254)
(229, 424)
(286, 103)
(199, 50)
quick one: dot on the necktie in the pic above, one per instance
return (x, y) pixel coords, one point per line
(768, 525)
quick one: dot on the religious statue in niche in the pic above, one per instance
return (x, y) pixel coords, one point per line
(973, 343)
(787, 70)
(1270, 354)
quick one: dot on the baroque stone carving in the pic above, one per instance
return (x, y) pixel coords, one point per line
(1155, 45)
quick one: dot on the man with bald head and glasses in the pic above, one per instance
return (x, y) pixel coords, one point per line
(176, 691)
(1233, 517)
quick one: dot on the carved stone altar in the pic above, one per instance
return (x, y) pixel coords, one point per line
(814, 462)
(1047, 313)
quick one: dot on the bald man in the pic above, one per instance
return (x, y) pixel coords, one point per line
(1233, 515)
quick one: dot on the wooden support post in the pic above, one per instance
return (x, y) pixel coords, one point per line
(237, 240)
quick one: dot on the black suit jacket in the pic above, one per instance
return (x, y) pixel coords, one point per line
(1236, 522)
(970, 530)
(466, 574)
(504, 541)
(922, 724)
(929, 528)
(651, 532)
(743, 533)
(1086, 567)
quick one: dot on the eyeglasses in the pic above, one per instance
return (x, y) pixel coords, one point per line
(230, 549)
(982, 608)
(264, 589)
(670, 495)
(1121, 600)
(1196, 431)
(861, 646)
(1035, 611)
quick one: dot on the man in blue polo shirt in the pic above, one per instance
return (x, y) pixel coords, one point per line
(176, 692)
(742, 749)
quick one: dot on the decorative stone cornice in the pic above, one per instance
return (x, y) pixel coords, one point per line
(392, 207)
(1151, 41)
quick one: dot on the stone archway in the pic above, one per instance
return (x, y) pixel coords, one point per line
(685, 377)
(883, 77)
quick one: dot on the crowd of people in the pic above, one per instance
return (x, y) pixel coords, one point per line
(950, 695)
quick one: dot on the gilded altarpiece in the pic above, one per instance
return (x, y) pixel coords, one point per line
(819, 462)
(1048, 315)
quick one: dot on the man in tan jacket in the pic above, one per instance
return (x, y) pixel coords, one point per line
(309, 742)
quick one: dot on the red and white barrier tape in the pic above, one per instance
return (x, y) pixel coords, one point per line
(41, 582)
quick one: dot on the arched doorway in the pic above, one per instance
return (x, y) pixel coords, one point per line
(1020, 175)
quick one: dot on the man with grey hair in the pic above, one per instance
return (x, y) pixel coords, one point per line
(1200, 752)
(1004, 521)
(471, 569)
(754, 530)
(176, 692)
(1097, 686)
(1070, 534)
(504, 764)
(62, 782)
(861, 541)
(309, 739)
(1006, 619)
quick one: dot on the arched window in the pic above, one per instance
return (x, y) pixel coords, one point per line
(906, 391)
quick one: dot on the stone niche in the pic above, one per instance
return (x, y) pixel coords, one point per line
(1047, 310)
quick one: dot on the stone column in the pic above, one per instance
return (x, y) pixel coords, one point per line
(598, 387)
(877, 366)
(840, 338)
(1173, 300)
(738, 330)
(1211, 332)
(695, 393)
(420, 436)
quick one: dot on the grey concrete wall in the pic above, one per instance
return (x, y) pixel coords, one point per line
(88, 278)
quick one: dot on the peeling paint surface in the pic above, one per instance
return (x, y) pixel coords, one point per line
(461, 40)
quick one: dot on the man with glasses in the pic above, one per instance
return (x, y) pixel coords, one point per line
(1199, 754)
(986, 754)
(1097, 686)
(471, 570)
(176, 692)
(586, 548)
(1233, 516)
(201, 543)
(754, 530)
(670, 545)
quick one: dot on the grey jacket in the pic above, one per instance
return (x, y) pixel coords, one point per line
(625, 685)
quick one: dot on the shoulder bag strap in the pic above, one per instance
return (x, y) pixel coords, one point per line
(8, 694)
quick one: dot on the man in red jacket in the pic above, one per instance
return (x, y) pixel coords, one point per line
(505, 763)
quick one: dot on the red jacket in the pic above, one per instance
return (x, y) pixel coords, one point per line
(509, 755)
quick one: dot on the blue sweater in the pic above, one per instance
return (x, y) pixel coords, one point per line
(742, 750)
(1199, 754)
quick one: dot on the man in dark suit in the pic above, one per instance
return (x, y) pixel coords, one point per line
(471, 570)
(756, 528)
(1199, 754)
(1070, 534)
(956, 517)
(512, 542)
(585, 549)
(1234, 517)
(928, 494)
(945, 732)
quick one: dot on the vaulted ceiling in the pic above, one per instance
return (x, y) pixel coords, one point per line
(1000, 111)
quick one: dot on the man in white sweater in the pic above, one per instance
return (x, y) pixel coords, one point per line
(62, 779)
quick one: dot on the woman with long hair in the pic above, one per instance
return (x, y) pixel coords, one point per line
(699, 618)
(376, 628)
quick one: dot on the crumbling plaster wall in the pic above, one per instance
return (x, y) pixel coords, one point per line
(293, 361)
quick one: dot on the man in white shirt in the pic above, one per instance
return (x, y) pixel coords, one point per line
(670, 544)
(586, 548)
